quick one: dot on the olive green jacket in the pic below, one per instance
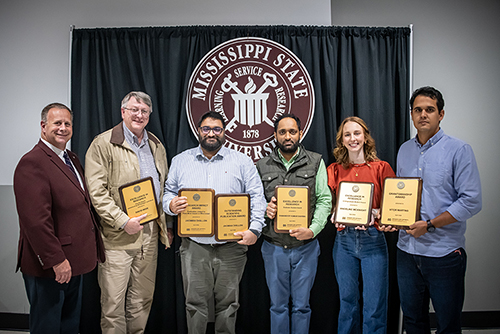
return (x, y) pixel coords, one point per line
(303, 172)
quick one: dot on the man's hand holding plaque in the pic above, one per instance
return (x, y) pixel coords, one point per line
(232, 216)
(291, 211)
(134, 225)
(201, 214)
(400, 206)
(138, 199)
(195, 208)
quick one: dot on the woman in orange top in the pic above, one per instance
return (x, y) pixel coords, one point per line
(360, 248)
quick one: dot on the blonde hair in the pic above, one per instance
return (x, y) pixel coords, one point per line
(340, 152)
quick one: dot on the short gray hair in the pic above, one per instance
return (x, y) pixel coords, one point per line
(57, 105)
(140, 97)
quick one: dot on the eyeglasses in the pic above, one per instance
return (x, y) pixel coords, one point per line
(135, 111)
(216, 129)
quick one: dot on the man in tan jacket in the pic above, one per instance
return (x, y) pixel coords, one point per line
(121, 155)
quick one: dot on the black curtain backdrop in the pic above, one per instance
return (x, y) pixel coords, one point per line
(355, 71)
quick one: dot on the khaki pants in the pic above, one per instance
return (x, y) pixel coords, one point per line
(127, 282)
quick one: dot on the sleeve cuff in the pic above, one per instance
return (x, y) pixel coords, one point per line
(257, 233)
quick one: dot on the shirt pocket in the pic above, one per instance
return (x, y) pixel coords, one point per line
(434, 173)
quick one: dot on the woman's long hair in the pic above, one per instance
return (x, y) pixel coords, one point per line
(341, 153)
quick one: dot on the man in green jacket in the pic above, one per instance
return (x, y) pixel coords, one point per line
(121, 155)
(291, 259)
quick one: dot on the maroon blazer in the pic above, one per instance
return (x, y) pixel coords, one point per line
(56, 218)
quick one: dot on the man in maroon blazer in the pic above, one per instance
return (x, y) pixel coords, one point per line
(59, 237)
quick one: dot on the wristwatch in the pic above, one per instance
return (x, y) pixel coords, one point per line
(430, 227)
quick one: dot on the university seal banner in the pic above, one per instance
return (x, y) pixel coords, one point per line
(250, 82)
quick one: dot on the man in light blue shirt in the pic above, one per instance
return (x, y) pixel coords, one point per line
(211, 268)
(431, 253)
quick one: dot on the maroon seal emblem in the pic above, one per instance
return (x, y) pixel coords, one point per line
(250, 82)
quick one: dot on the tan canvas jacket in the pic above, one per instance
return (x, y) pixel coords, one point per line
(110, 162)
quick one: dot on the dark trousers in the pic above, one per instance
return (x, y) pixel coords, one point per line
(440, 279)
(54, 308)
(212, 271)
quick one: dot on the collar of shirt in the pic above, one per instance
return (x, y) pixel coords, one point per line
(132, 139)
(60, 154)
(218, 156)
(56, 150)
(433, 140)
(286, 163)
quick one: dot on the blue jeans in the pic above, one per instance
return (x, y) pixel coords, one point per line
(290, 272)
(440, 279)
(365, 251)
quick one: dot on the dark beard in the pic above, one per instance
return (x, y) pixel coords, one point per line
(212, 147)
(289, 149)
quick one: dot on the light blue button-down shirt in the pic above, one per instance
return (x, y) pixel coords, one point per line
(228, 172)
(451, 183)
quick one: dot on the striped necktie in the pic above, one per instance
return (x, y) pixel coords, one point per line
(70, 166)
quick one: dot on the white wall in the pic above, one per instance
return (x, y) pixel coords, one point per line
(34, 71)
(34, 47)
(457, 50)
